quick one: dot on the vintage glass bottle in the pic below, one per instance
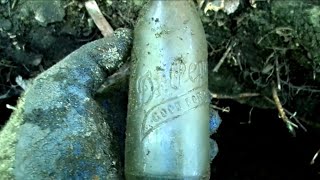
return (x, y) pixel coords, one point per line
(167, 133)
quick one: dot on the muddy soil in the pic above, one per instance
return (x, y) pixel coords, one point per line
(269, 50)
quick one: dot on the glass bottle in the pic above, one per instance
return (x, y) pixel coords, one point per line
(167, 133)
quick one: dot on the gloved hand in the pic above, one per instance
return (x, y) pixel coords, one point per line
(58, 130)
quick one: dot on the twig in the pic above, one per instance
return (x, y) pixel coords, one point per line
(212, 49)
(224, 109)
(249, 119)
(292, 115)
(4, 96)
(250, 114)
(13, 5)
(276, 30)
(114, 78)
(314, 157)
(98, 18)
(238, 96)
(278, 74)
(282, 114)
(301, 88)
(314, 73)
(9, 9)
(8, 106)
(216, 68)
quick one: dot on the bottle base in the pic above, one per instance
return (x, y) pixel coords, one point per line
(161, 177)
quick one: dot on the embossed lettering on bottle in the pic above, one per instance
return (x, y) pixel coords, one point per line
(168, 111)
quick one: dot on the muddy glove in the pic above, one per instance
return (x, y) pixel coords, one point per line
(58, 131)
(214, 124)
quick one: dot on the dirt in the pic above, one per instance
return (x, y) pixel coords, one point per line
(273, 46)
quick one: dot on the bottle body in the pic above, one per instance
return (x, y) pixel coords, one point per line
(168, 112)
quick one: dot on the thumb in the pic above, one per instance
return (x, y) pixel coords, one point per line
(88, 65)
(108, 52)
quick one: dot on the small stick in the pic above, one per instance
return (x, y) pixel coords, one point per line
(278, 74)
(249, 119)
(216, 68)
(13, 5)
(292, 115)
(250, 113)
(224, 109)
(301, 88)
(8, 106)
(115, 78)
(239, 96)
(98, 18)
(314, 157)
(282, 114)
(4, 96)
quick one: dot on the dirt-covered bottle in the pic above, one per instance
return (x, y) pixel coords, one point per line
(168, 113)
